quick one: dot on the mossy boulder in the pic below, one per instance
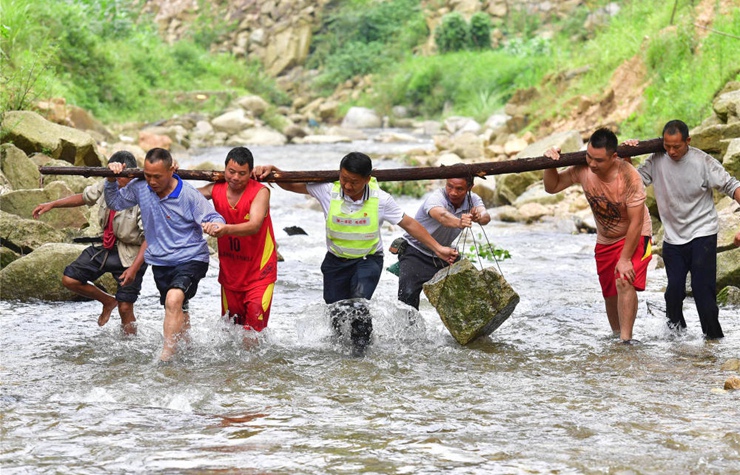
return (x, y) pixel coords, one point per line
(38, 275)
(19, 170)
(470, 302)
(728, 268)
(22, 203)
(729, 296)
(33, 134)
(24, 235)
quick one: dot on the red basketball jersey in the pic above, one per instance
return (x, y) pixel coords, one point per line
(244, 260)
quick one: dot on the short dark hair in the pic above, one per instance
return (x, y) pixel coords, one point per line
(159, 155)
(604, 138)
(125, 157)
(357, 162)
(240, 156)
(676, 126)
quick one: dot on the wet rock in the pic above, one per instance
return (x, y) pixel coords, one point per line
(38, 275)
(733, 382)
(470, 302)
(20, 171)
(733, 364)
(33, 134)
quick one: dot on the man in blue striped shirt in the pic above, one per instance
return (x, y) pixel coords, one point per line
(173, 213)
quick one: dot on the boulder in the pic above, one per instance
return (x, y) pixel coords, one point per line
(733, 382)
(33, 134)
(731, 159)
(715, 139)
(457, 125)
(232, 122)
(7, 256)
(22, 203)
(149, 140)
(729, 296)
(361, 118)
(510, 186)
(727, 105)
(24, 235)
(258, 136)
(470, 302)
(468, 145)
(253, 104)
(729, 224)
(288, 47)
(447, 159)
(728, 268)
(733, 364)
(20, 171)
(38, 275)
(486, 189)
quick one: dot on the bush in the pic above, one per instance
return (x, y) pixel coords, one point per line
(453, 34)
(480, 31)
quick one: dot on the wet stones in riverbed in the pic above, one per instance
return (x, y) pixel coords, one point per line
(471, 303)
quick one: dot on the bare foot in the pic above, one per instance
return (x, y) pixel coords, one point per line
(129, 329)
(167, 353)
(107, 310)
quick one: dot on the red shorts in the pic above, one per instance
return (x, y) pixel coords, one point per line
(250, 308)
(607, 256)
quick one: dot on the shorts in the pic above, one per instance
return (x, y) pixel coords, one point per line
(607, 256)
(249, 308)
(94, 261)
(183, 276)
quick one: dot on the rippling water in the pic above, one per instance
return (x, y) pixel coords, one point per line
(549, 392)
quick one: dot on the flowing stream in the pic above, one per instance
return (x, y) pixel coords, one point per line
(550, 391)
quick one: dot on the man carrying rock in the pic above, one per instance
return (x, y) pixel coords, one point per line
(173, 213)
(684, 178)
(120, 252)
(444, 214)
(623, 250)
(355, 207)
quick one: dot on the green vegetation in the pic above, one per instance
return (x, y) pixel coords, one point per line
(103, 56)
(359, 37)
(416, 188)
(484, 250)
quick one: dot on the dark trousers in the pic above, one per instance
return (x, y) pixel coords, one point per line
(350, 278)
(416, 268)
(699, 257)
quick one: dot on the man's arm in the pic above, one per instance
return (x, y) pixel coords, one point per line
(448, 219)
(207, 191)
(412, 226)
(625, 269)
(72, 201)
(257, 214)
(479, 214)
(554, 180)
(261, 171)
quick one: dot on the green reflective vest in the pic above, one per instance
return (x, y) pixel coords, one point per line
(353, 235)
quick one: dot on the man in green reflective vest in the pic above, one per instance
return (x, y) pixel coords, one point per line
(355, 207)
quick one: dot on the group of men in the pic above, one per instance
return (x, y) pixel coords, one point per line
(684, 179)
(160, 221)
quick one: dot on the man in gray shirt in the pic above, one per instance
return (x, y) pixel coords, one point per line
(444, 213)
(683, 178)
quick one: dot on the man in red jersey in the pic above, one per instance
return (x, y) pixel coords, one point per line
(246, 243)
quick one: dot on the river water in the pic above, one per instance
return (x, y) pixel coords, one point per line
(549, 392)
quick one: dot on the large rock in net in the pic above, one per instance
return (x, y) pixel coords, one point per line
(471, 303)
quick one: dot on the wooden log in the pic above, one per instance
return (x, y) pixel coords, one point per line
(460, 170)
